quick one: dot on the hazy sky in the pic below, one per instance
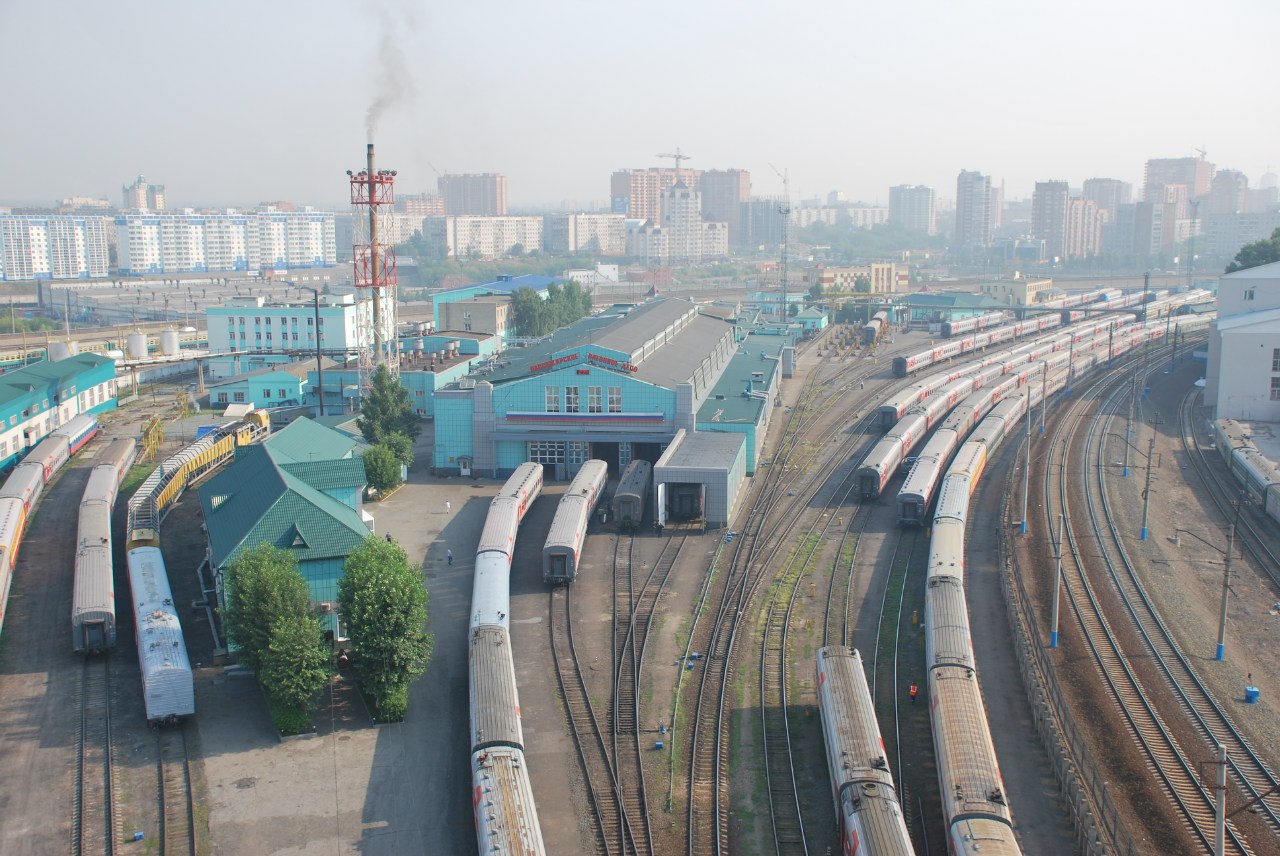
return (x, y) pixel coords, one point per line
(232, 102)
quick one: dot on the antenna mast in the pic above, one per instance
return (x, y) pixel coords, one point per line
(785, 210)
(375, 263)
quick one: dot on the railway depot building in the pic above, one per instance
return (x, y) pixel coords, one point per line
(615, 387)
(38, 398)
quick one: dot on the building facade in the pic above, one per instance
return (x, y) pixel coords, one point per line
(912, 207)
(143, 196)
(483, 194)
(973, 209)
(38, 398)
(1108, 194)
(638, 193)
(725, 194)
(482, 237)
(1083, 228)
(1194, 174)
(1049, 216)
(883, 276)
(231, 241)
(55, 247)
(1243, 376)
(596, 234)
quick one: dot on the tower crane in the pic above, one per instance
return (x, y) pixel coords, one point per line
(677, 156)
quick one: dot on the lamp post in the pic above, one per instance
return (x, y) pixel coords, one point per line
(315, 295)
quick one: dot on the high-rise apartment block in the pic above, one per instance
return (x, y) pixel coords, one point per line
(1195, 174)
(231, 241)
(911, 206)
(682, 221)
(483, 194)
(1049, 216)
(142, 196)
(420, 204)
(638, 192)
(1228, 193)
(1108, 194)
(52, 247)
(1083, 228)
(597, 234)
(482, 237)
(973, 209)
(725, 194)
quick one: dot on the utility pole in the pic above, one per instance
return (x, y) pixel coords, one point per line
(1146, 493)
(1226, 580)
(1057, 581)
(1220, 820)
(785, 210)
(1026, 470)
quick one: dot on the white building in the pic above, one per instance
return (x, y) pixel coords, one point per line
(574, 233)
(52, 247)
(272, 333)
(467, 236)
(1243, 376)
(231, 241)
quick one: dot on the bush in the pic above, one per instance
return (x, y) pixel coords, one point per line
(401, 445)
(288, 719)
(382, 468)
(263, 585)
(394, 705)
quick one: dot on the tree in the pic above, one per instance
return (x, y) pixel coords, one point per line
(793, 310)
(401, 446)
(381, 467)
(1261, 252)
(264, 586)
(862, 284)
(815, 291)
(385, 606)
(295, 664)
(528, 312)
(387, 409)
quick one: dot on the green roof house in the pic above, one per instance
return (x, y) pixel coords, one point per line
(301, 490)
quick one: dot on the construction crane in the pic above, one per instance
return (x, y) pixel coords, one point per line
(785, 210)
(677, 157)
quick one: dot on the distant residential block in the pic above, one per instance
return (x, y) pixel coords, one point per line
(52, 247)
(232, 241)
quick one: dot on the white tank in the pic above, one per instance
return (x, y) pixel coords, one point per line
(115, 355)
(58, 351)
(136, 345)
(169, 343)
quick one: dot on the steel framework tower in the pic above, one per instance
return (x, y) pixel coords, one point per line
(374, 263)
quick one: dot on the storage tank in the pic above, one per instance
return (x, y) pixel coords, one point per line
(59, 351)
(136, 345)
(169, 343)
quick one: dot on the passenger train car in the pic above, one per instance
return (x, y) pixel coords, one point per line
(167, 682)
(874, 329)
(22, 489)
(632, 496)
(867, 809)
(93, 592)
(1259, 476)
(569, 528)
(977, 322)
(501, 794)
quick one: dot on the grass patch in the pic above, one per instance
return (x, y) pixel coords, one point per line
(137, 474)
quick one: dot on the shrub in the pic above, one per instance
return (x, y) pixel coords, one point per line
(288, 719)
(394, 705)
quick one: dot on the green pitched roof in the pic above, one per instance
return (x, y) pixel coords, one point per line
(40, 376)
(953, 299)
(274, 493)
(812, 312)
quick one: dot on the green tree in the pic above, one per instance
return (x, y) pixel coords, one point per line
(264, 586)
(862, 284)
(401, 446)
(529, 313)
(381, 467)
(387, 409)
(295, 664)
(1261, 252)
(815, 291)
(385, 606)
(793, 310)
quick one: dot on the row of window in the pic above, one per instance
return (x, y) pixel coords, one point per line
(284, 336)
(573, 400)
(282, 394)
(257, 321)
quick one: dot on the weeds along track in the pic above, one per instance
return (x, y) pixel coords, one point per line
(1074, 469)
(94, 827)
(174, 786)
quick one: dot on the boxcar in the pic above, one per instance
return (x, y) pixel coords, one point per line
(630, 500)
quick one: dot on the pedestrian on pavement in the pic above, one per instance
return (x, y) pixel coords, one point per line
(447, 506)
(388, 537)
(449, 556)
(914, 690)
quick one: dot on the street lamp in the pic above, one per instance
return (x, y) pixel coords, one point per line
(315, 294)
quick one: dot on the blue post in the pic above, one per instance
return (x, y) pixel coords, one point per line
(1053, 639)
(1144, 533)
(1222, 650)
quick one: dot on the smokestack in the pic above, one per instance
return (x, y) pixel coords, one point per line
(374, 261)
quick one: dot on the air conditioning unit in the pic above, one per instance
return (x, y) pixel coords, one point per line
(326, 607)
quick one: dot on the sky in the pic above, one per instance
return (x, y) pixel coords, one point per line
(234, 102)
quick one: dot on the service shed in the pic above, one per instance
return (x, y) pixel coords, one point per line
(708, 467)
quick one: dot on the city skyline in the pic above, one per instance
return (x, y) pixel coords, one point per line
(226, 126)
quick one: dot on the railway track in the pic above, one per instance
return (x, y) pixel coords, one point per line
(886, 683)
(177, 805)
(616, 828)
(1166, 758)
(95, 827)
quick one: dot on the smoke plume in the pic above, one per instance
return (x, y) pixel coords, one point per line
(392, 82)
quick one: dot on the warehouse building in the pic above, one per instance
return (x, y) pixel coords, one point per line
(38, 398)
(616, 386)
(700, 475)
(1243, 376)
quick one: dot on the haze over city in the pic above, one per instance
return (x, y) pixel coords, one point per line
(241, 102)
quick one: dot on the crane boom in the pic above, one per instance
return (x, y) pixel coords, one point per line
(676, 156)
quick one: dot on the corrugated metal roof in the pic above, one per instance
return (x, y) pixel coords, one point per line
(736, 407)
(955, 299)
(329, 475)
(41, 375)
(306, 440)
(676, 361)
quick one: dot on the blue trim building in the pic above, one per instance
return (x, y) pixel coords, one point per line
(38, 398)
(504, 284)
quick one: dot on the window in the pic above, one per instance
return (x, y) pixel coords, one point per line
(295, 335)
(571, 399)
(310, 322)
(268, 320)
(283, 393)
(594, 400)
(268, 336)
(1275, 389)
(257, 321)
(576, 453)
(615, 399)
(546, 451)
(266, 393)
(222, 398)
(238, 396)
(13, 420)
(553, 399)
(1275, 360)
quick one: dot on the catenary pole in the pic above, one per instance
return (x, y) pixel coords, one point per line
(1057, 581)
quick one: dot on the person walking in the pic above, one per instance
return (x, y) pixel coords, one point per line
(913, 691)
(449, 556)
(447, 506)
